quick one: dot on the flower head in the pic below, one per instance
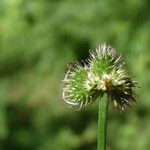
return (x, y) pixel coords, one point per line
(104, 73)
(74, 86)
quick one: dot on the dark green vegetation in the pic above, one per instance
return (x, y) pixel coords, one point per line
(37, 39)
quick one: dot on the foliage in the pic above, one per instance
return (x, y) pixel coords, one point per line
(37, 39)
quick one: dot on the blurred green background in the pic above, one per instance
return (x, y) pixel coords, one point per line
(38, 38)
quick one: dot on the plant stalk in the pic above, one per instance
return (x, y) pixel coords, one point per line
(102, 122)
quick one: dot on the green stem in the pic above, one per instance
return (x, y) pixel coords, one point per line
(102, 122)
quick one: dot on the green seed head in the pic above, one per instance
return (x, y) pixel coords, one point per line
(74, 87)
(104, 73)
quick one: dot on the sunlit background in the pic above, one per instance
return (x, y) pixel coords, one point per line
(38, 38)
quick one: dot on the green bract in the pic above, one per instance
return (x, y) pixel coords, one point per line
(104, 73)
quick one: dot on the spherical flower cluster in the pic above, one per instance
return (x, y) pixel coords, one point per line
(104, 73)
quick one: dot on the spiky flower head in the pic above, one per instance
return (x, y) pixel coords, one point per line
(104, 73)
